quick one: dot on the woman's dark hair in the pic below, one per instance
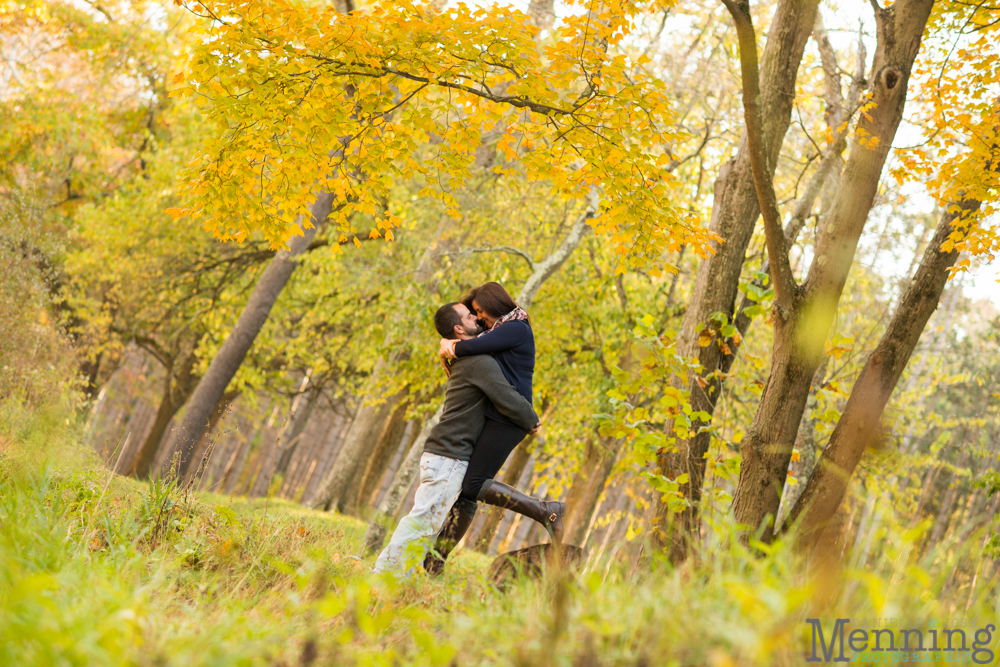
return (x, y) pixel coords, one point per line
(492, 298)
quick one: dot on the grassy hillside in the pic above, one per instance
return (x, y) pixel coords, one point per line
(97, 569)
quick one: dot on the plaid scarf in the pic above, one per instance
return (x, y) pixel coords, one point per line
(516, 314)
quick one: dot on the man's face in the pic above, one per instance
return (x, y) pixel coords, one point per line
(469, 322)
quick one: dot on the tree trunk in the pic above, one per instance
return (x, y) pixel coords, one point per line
(206, 448)
(142, 464)
(339, 489)
(803, 315)
(276, 460)
(930, 479)
(581, 503)
(947, 503)
(382, 455)
(324, 462)
(858, 423)
(232, 353)
(302, 409)
(805, 444)
(401, 483)
(177, 386)
(734, 214)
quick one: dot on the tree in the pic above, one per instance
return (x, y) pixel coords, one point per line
(734, 214)
(803, 314)
(858, 426)
(967, 183)
(386, 99)
(82, 98)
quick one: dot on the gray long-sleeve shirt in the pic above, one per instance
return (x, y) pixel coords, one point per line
(475, 382)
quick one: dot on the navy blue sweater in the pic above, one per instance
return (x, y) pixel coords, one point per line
(513, 346)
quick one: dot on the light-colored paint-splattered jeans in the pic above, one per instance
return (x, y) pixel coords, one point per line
(439, 488)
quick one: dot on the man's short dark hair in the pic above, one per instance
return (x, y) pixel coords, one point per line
(446, 319)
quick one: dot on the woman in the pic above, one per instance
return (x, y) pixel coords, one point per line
(510, 340)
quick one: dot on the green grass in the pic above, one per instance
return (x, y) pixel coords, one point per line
(97, 569)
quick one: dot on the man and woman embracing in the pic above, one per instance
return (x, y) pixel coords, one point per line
(488, 351)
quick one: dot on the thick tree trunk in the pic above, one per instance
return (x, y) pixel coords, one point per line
(382, 455)
(803, 316)
(587, 488)
(232, 353)
(734, 214)
(339, 490)
(401, 483)
(805, 444)
(178, 385)
(859, 422)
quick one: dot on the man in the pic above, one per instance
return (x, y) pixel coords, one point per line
(474, 382)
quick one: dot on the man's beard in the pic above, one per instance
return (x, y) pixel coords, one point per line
(475, 332)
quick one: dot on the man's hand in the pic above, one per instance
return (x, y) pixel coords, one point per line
(447, 349)
(538, 427)
(444, 364)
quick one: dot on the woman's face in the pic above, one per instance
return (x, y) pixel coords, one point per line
(487, 319)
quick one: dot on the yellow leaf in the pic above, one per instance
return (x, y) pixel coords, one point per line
(357, 242)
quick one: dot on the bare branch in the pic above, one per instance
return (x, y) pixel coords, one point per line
(548, 266)
(781, 270)
(503, 248)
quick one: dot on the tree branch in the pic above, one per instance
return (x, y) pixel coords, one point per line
(781, 270)
(504, 248)
(548, 266)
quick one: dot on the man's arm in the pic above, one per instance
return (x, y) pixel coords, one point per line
(490, 379)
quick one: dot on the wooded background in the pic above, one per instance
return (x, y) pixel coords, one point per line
(358, 165)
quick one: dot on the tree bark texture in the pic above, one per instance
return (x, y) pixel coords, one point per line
(206, 448)
(805, 444)
(585, 493)
(232, 353)
(340, 488)
(859, 422)
(302, 410)
(401, 483)
(177, 387)
(801, 326)
(382, 455)
(734, 214)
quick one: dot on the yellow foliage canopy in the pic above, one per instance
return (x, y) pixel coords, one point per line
(305, 99)
(960, 157)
